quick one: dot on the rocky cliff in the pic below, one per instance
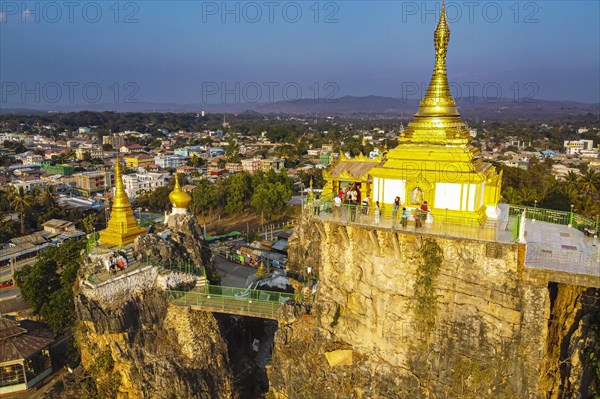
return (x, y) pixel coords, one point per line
(150, 349)
(135, 344)
(400, 315)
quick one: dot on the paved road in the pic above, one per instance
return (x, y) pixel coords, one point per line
(232, 274)
(6, 271)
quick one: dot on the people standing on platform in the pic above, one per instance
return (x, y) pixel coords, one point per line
(417, 218)
(396, 207)
(424, 212)
(317, 206)
(337, 201)
(404, 218)
(353, 202)
(377, 212)
(365, 206)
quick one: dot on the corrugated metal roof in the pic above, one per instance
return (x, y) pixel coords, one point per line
(18, 343)
(357, 169)
(35, 239)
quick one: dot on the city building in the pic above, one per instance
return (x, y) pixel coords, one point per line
(138, 182)
(578, 146)
(139, 160)
(93, 152)
(130, 147)
(434, 160)
(122, 226)
(29, 185)
(276, 164)
(251, 165)
(33, 159)
(64, 170)
(169, 161)
(233, 167)
(91, 183)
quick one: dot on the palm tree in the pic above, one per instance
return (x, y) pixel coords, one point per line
(511, 196)
(20, 201)
(571, 178)
(587, 206)
(527, 195)
(589, 181)
(48, 197)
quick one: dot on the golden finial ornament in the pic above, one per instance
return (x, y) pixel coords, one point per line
(120, 200)
(179, 198)
(438, 100)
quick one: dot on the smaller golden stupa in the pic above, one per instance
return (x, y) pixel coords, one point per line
(179, 199)
(122, 227)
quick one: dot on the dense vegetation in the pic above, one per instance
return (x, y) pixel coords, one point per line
(36, 207)
(47, 286)
(266, 193)
(537, 186)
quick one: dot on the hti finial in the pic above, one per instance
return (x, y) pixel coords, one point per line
(441, 37)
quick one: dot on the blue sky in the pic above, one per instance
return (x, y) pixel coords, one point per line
(194, 51)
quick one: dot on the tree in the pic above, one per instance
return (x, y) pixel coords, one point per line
(270, 198)
(589, 181)
(511, 196)
(232, 153)
(196, 161)
(236, 194)
(89, 222)
(48, 292)
(20, 201)
(204, 199)
(48, 197)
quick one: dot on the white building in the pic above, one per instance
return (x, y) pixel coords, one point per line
(136, 183)
(576, 147)
(169, 161)
(29, 185)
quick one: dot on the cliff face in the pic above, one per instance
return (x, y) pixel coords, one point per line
(135, 344)
(154, 349)
(411, 316)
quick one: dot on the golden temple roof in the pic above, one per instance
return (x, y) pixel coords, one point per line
(179, 198)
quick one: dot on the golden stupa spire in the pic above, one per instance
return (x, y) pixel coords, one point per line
(120, 200)
(438, 101)
(122, 227)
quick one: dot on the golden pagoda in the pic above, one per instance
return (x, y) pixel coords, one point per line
(122, 227)
(179, 199)
(434, 160)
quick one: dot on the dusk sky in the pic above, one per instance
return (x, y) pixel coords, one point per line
(190, 51)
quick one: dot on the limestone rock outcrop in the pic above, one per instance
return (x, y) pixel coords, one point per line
(424, 317)
(183, 243)
(157, 350)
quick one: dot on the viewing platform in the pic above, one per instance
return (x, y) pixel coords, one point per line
(560, 242)
(237, 301)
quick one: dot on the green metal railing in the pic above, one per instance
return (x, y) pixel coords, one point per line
(232, 300)
(556, 217)
(247, 294)
(443, 225)
(366, 215)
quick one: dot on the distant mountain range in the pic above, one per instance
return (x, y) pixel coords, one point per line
(369, 106)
